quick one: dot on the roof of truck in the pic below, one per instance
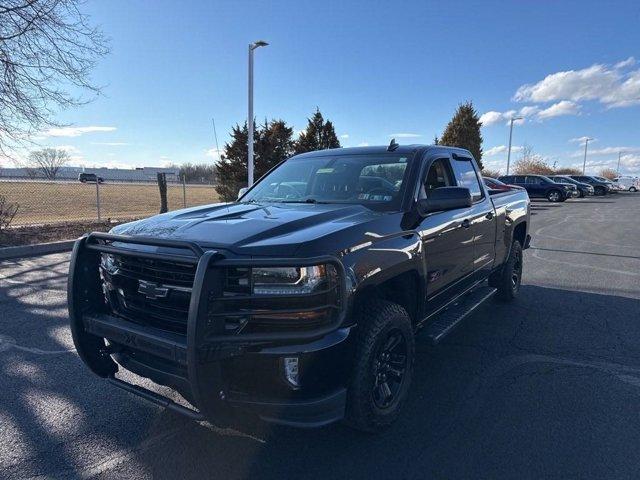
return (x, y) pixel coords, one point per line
(401, 149)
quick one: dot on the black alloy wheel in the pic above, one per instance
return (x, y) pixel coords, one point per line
(389, 369)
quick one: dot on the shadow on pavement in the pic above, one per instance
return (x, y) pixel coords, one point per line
(518, 391)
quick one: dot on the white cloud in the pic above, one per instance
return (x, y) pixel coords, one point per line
(606, 151)
(564, 107)
(491, 117)
(582, 140)
(344, 136)
(500, 149)
(214, 153)
(405, 135)
(530, 112)
(625, 63)
(75, 131)
(111, 144)
(363, 144)
(610, 85)
(67, 148)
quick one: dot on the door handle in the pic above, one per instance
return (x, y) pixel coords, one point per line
(466, 223)
(489, 215)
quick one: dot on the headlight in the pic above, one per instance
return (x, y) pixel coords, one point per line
(290, 280)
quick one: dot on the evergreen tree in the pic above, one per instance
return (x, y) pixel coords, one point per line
(464, 131)
(319, 135)
(272, 143)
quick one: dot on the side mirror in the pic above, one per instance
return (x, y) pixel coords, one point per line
(241, 192)
(445, 198)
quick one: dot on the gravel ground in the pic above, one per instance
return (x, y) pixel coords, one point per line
(545, 387)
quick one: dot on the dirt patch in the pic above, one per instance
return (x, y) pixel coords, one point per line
(51, 233)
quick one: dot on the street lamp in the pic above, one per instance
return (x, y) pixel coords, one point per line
(252, 47)
(510, 136)
(618, 169)
(584, 163)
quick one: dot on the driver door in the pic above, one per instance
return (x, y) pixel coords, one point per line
(446, 237)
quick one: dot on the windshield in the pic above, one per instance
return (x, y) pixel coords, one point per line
(374, 180)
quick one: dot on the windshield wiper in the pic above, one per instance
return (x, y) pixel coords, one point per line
(304, 200)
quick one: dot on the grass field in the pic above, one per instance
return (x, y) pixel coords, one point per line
(51, 202)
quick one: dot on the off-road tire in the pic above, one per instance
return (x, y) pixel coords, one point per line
(504, 280)
(378, 319)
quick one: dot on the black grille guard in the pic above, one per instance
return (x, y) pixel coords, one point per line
(204, 344)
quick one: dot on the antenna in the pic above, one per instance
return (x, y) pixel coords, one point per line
(216, 137)
(392, 145)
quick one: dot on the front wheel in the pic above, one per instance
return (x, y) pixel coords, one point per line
(508, 279)
(633, 189)
(600, 191)
(554, 196)
(383, 366)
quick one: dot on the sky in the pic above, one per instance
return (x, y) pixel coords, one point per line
(377, 69)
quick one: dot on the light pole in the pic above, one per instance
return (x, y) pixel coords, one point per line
(252, 47)
(584, 163)
(510, 136)
(618, 169)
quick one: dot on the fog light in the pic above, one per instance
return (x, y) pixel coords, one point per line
(291, 371)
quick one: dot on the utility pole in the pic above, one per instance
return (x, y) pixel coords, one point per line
(619, 156)
(584, 163)
(510, 137)
(252, 47)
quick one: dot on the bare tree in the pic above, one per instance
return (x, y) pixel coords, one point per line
(609, 173)
(7, 212)
(487, 172)
(47, 47)
(48, 162)
(531, 162)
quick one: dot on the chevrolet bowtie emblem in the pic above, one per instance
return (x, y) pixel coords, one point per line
(152, 290)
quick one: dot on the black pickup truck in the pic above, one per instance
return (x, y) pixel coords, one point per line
(301, 301)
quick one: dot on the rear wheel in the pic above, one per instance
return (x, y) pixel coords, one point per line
(600, 191)
(383, 366)
(508, 279)
(554, 196)
(633, 189)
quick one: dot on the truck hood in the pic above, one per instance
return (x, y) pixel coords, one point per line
(267, 229)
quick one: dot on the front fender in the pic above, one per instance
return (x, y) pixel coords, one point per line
(377, 260)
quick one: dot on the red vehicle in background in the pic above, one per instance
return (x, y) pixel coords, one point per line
(495, 184)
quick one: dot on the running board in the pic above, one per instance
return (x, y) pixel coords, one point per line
(445, 322)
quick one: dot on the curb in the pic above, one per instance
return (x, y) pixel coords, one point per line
(35, 250)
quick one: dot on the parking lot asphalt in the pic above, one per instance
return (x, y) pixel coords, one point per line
(545, 387)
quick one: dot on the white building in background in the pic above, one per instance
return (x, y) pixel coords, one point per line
(142, 174)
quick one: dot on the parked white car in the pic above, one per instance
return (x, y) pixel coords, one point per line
(629, 183)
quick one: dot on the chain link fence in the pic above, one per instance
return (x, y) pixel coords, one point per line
(46, 202)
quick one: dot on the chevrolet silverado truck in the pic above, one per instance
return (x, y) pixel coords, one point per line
(301, 302)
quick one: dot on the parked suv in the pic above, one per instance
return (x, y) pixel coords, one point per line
(300, 304)
(583, 189)
(599, 187)
(90, 178)
(539, 186)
